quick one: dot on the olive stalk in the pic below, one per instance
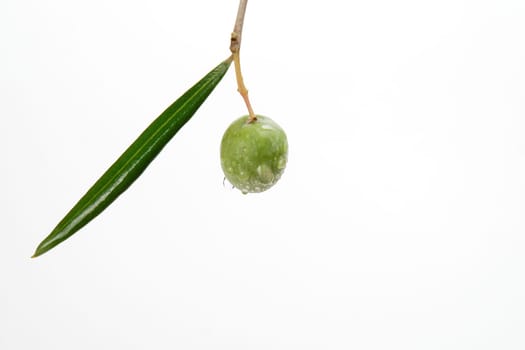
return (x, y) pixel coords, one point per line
(235, 48)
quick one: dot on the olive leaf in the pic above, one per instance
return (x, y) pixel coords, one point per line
(130, 165)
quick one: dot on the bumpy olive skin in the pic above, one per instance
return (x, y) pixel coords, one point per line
(254, 155)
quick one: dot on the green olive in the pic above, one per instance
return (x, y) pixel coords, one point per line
(254, 154)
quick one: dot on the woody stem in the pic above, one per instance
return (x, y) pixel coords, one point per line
(235, 47)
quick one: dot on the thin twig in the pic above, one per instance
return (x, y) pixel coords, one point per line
(235, 43)
(235, 48)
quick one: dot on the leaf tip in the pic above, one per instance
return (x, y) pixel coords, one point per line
(39, 250)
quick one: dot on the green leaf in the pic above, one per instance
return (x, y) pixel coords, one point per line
(130, 165)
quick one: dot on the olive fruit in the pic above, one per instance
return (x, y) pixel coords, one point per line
(254, 153)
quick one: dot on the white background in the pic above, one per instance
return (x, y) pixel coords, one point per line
(398, 224)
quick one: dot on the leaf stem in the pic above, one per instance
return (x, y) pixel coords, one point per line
(235, 48)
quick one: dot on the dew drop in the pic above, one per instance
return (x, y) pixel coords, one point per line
(267, 127)
(281, 163)
(265, 173)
